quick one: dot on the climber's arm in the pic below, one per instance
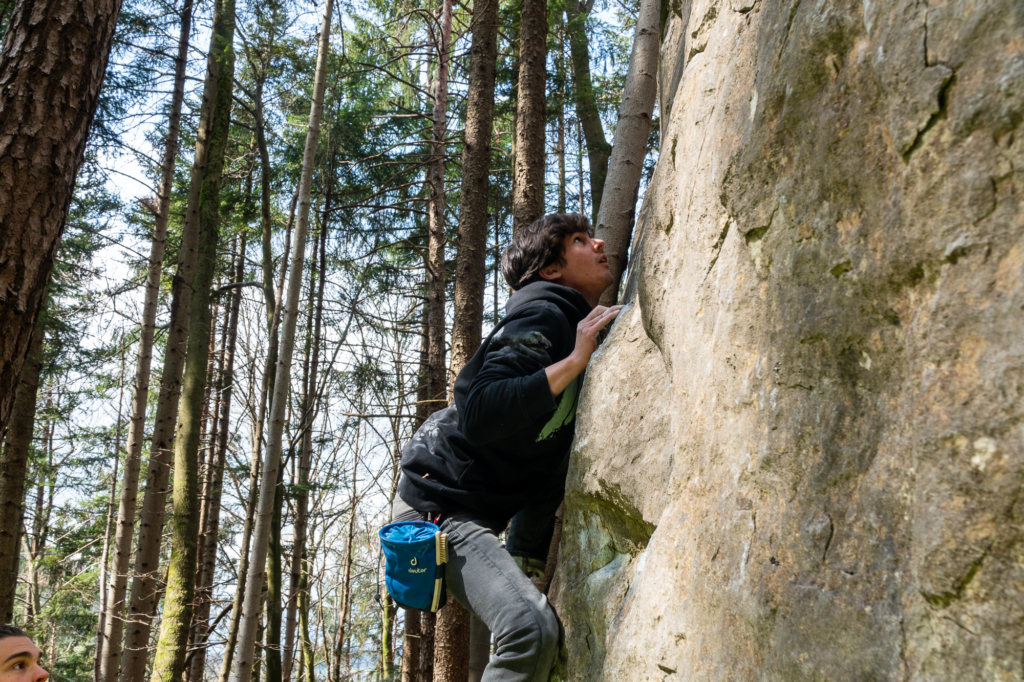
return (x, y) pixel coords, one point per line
(519, 380)
(511, 390)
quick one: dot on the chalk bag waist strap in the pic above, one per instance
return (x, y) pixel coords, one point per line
(415, 554)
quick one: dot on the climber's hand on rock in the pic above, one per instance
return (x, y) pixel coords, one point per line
(588, 329)
(563, 372)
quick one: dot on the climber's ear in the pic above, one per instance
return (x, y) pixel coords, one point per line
(552, 272)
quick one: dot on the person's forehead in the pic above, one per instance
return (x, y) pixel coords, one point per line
(9, 646)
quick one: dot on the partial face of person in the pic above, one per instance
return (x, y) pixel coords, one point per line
(586, 265)
(19, 661)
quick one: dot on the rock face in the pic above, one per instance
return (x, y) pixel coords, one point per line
(800, 452)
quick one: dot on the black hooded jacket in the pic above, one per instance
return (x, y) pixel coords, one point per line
(505, 436)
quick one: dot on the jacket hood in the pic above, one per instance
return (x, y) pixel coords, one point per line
(570, 301)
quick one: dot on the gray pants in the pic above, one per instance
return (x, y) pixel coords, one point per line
(485, 579)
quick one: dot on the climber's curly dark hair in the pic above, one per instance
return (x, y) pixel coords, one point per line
(540, 245)
(11, 631)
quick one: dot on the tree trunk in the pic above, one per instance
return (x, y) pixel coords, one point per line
(244, 658)
(618, 210)
(346, 580)
(168, 664)
(109, 656)
(243, 562)
(451, 651)
(437, 373)
(208, 438)
(44, 485)
(387, 643)
(451, 643)
(428, 630)
(295, 567)
(52, 62)
(423, 404)
(207, 455)
(436, 269)
(306, 453)
(560, 103)
(598, 149)
(212, 521)
(13, 470)
(272, 314)
(109, 525)
(306, 651)
(202, 211)
(528, 199)
(579, 165)
(272, 649)
(412, 641)
(471, 262)
(411, 647)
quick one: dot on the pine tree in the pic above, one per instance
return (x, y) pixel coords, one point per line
(52, 63)
(109, 651)
(598, 149)
(528, 203)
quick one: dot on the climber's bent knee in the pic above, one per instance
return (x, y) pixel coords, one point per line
(485, 579)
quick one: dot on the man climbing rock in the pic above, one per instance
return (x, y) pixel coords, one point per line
(499, 453)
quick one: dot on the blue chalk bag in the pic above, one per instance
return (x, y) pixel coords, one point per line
(415, 554)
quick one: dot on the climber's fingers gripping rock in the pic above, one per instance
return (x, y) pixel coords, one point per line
(564, 371)
(588, 329)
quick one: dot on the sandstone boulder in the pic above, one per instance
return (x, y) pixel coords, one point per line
(800, 452)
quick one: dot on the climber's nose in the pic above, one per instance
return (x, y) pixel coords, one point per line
(598, 245)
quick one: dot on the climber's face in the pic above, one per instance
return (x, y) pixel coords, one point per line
(19, 661)
(584, 267)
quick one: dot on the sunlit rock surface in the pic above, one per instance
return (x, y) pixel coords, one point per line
(800, 453)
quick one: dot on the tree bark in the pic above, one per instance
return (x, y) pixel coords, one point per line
(387, 644)
(169, 662)
(428, 630)
(295, 568)
(436, 268)
(244, 657)
(207, 469)
(272, 310)
(560, 103)
(598, 149)
(306, 453)
(13, 471)
(272, 644)
(307, 644)
(108, 529)
(471, 261)
(618, 210)
(243, 562)
(451, 651)
(414, 653)
(346, 580)
(109, 656)
(212, 522)
(52, 63)
(528, 199)
(451, 643)
(206, 174)
(411, 647)
(44, 484)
